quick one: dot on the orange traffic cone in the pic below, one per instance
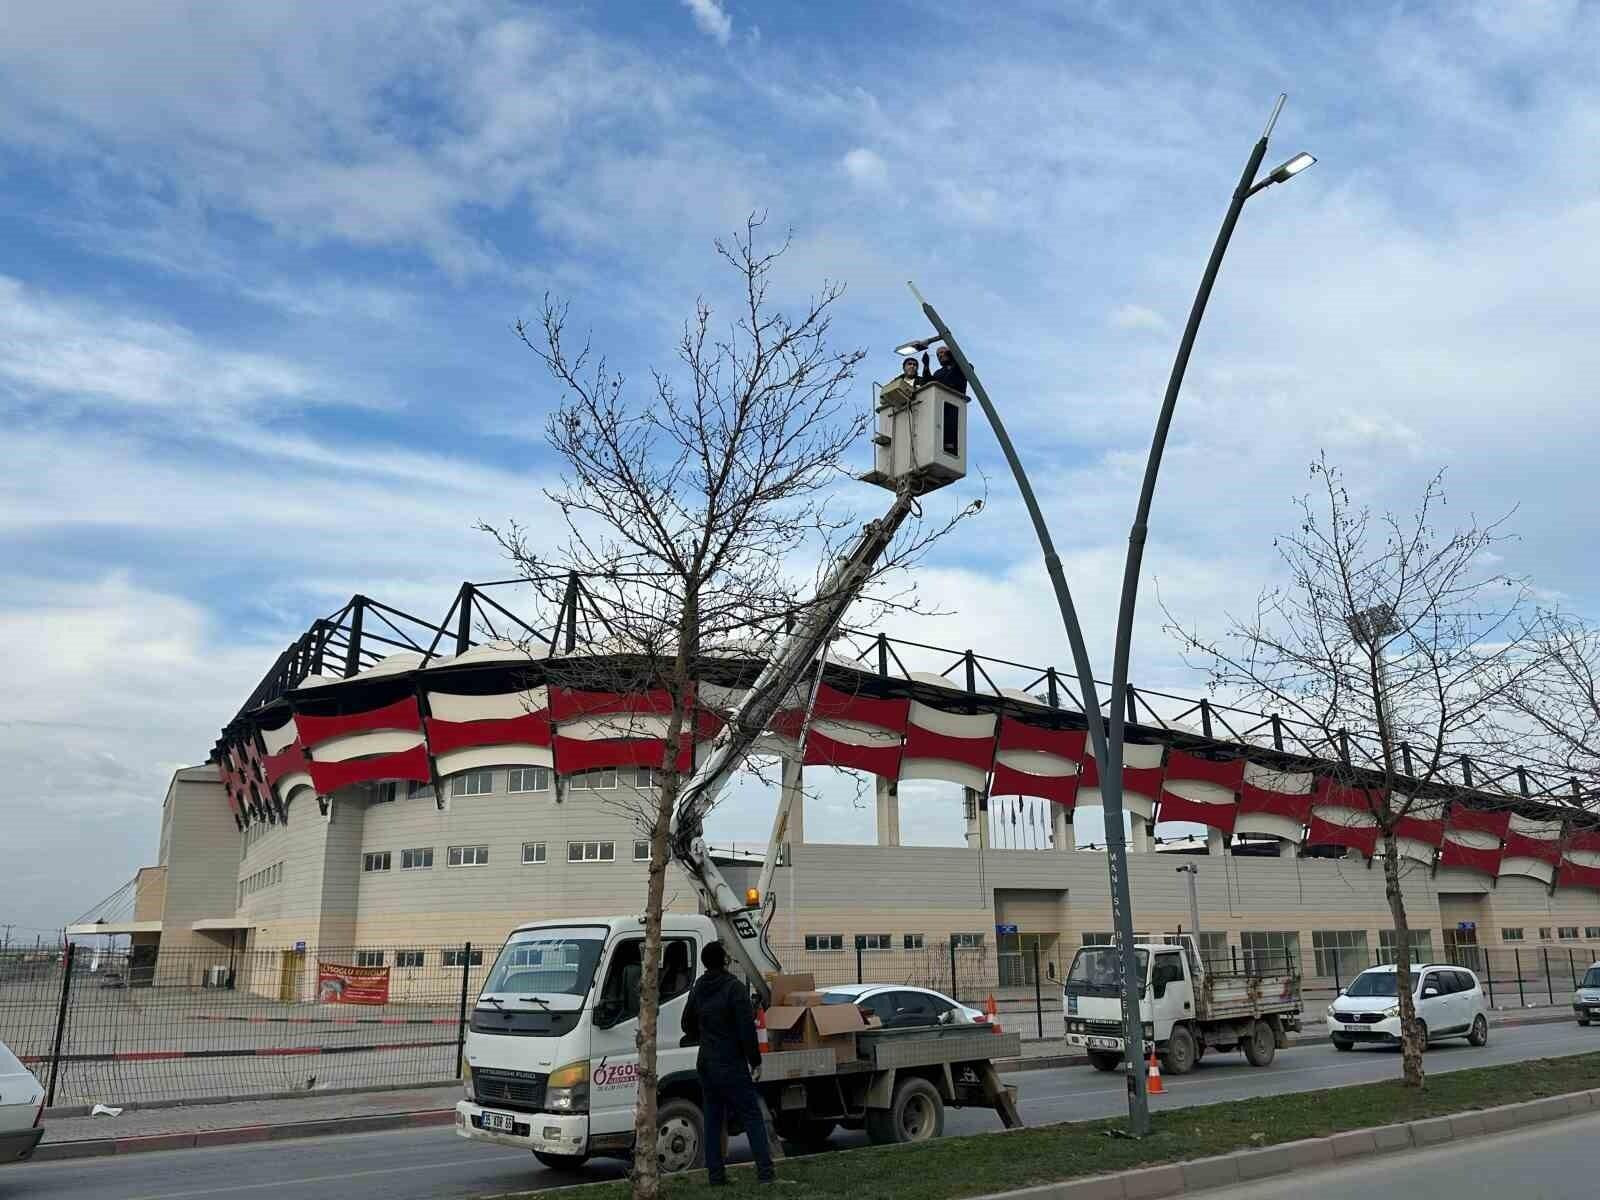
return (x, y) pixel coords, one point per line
(1154, 1087)
(761, 1031)
(990, 1008)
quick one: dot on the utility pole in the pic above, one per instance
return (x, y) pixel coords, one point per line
(1193, 872)
(5, 939)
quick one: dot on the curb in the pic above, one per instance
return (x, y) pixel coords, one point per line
(68, 1111)
(101, 1147)
(1247, 1166)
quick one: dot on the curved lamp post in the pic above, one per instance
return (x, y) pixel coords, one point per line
(1116, 842)
(1117, 714)
(1107, 738)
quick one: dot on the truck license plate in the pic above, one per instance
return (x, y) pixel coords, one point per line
(497, 1122)
(1100, 1043)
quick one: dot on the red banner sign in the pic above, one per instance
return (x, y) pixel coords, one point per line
(337, 984)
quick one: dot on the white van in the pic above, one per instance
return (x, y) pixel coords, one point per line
(21, 1108)
(1449, 1000)
(1586, 1000)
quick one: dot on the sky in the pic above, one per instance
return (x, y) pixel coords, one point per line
(262, 264)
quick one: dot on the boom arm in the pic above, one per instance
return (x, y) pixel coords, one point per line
(740, 926)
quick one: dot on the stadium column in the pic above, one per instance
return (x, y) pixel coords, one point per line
(888, 812)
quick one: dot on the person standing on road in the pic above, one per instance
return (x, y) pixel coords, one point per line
(718, 1017)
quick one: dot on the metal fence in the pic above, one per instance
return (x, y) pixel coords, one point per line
(1512, 977)
(196, 1024)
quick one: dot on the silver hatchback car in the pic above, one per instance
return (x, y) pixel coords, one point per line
(21, 1108)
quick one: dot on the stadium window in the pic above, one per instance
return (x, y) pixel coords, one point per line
(913, 941)
(377, 860)
(598, 779)
(419, 859)
(532, 852)
(382, 793)
(1270, 950)
(369, 958)
(579, 852)
(419, 790)
(644, 777)
(1544, 933)
(1567, 933)
(453, 958)
(469, 856)
(528, 779)
(1421, 941)
(1591, 933)
(874, 941)
(1097, 939)
(408, 958)
(824, 943)
(967, 941)
(1339, 953)
(641, 852)
(1511, 934)
(472, 783)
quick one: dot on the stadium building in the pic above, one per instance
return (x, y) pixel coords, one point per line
(395, 785)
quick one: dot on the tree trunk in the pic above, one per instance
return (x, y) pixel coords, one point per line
(1410, 1036)
(646, 1166)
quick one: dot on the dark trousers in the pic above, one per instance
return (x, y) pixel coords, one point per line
(724, 1094)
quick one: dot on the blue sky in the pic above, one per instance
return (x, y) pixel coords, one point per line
(262, 263)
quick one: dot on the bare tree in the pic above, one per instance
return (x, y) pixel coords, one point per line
(683, 512)
(1559, 698)
(1385, 626)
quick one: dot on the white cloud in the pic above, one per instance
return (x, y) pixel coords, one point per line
(712, 19)
(866, 167)
(1137, 316)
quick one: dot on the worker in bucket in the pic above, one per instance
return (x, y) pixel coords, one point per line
(718, 1017)
(949, 373)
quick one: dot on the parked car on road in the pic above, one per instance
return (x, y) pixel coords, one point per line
(1450, 1003)
(21, 1108)
(903, 1007)
(1586, 1000)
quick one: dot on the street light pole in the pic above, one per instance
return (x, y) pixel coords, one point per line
(1116, 845)
(1193, 872)
(1111, 767)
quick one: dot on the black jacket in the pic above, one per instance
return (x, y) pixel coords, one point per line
(718, 1016)
(952, 377)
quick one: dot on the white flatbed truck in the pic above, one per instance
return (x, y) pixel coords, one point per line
(1186, 1008)
(551, 1048)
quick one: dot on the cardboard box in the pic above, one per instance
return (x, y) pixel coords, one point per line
(783, 985)
(824, 1026)
(803, 999)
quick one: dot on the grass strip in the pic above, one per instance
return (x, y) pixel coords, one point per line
(955, 1167)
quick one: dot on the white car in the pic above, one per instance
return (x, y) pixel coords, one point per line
(1450, 1003)
(21, 1108)
(1586, 1000)
(902, 1007)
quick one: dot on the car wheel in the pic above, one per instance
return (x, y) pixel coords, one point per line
(680, 1136)
(1105, 1060)
(561, 1162)
(1340, 1043)
(1260, 1045)
(1179, 1058)
(1480, 1031)
(1583, 1021)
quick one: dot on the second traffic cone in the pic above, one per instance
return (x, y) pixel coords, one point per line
(990, 1008)
(1154, 1087)
(761, 1031)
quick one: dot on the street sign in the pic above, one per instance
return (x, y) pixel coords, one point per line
(1002, 930)
(1464, 926)
(299, 945)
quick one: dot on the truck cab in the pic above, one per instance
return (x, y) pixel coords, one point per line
(551, 1052)
(1184, 1008)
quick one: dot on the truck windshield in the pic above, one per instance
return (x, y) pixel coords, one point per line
(546, 962)
(1373, 984)
(1095, 969)
(1592, 979)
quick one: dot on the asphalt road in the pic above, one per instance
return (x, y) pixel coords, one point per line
(1552, 1162)
(425, 1164)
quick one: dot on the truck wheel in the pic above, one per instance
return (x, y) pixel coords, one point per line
(1260, 1045)
(1179, 1058)
(1105, 1060)
(680, 1136)
(806, 1134)
(561, 1162)
(915, 1115)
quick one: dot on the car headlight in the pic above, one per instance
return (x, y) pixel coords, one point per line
(1392, 1011)
(568, 1088)
(1149, 1031)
